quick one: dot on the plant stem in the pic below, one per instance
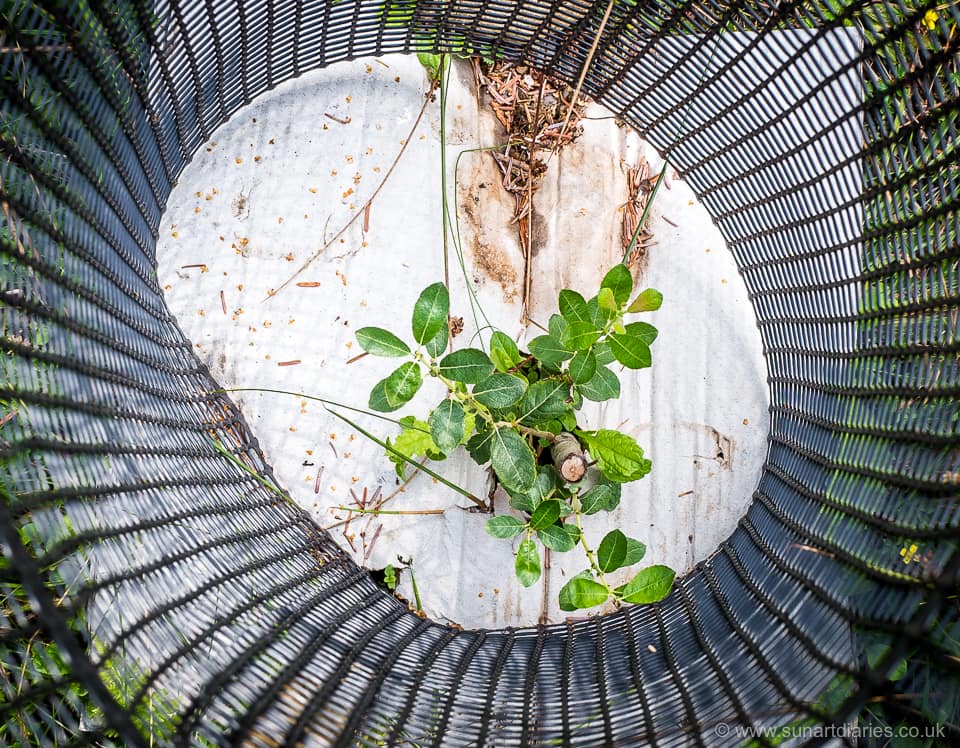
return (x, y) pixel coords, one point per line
(591, 557)
(663, 171)
(324, 401)
(545, 593)
(363, 208)
(529, 431)
(246, 468)
(388, 511)
(646, 211)
(583, 75)
(397, 491)
(413, 583)
(455, 230)
(528, 255)
(481, 410)
(443, 75)
(410, 460)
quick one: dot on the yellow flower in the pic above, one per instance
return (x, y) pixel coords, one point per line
(910, 554)
(930, 19)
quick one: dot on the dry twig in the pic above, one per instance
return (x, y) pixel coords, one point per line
(363, 210)
(641, 183)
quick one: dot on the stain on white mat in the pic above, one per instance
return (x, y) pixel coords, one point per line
(278, 181)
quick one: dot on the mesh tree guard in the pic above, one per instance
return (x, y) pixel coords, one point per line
(154, 593)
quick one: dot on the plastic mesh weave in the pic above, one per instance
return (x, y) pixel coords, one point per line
(154, 593)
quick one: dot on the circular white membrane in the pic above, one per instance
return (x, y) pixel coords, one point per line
(283, 177)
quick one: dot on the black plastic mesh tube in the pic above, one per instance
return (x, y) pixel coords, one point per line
(154, 593)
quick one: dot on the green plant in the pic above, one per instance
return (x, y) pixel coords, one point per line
(37, 662)
(913, 695)
(390, 577)
(516, 411)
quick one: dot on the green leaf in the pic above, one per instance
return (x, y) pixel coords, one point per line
(635, 553)
(642, 331)
(620, 282)
(573, 307)
(619, 456)
(400, 387)
(469, 366)
(556, 325)
(447, 425)
(438, 343)
(553, 426)
(378, 398)
(557, 538)
(504, 526)
(478, 446)
(876, 647)
(600, 316)
(543, 487)
(430, 312)
(576, 400)
(607, 301)
(512, 460)
(649, 586)
(548, 480)
(582, 592)
(836, 693)
(528, 562)
(612, 551)
(544, 400)
(579, 336)
(390, 577)
(503, 351)
(582, 367)
(546, 514)
(603, 497)
(431, 63)
(646, 301)
(585, 574)
(549, 351)
(630, 351)
(396, 390)
(469, 423)
(436, 476)
(603, 353)
(900, 669)
(604, 385)
(500, 390)
(522, 502)
(381, 342)
(413, 442)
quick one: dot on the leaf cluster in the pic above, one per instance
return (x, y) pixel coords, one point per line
(554, 514)
(507, 407)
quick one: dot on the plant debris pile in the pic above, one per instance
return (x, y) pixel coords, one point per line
(641, 185)
(538, 113)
